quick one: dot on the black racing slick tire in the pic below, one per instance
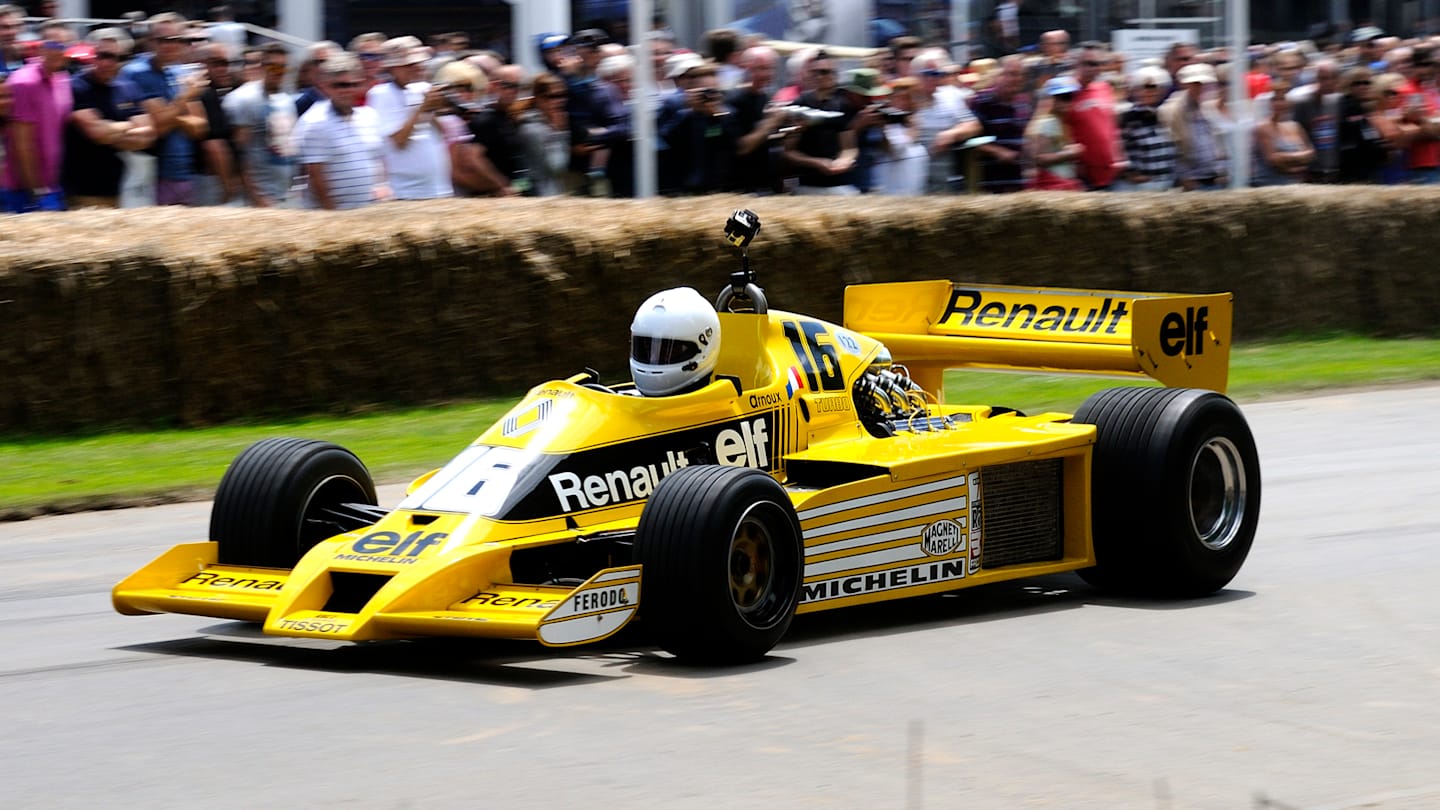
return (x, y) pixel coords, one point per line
(722, 562)
(1176, 490)
(278, 498)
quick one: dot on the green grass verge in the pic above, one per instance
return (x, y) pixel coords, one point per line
(51, 474)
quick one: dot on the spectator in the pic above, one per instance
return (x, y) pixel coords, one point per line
(756, 123)
(797, 67)
(12, 22)
(1282, 152)
(906, 164)
(217, 179)
(610, 128)
(342, 146)
(417, 159)
(1362, 149)
(370, 48)
(225, 31)
(35, 137)
(556, 54)
(1055, 153)
(1094, 121)
(545, 137)
(904, 49)
(1054, 59)
(1149, 147)
(496, 131)
(1396, 126)
(465, 85)
(171, 94)
(1177, 57)
(1421, 107)
(867, 100)
(1195, 125)
(698, 139)
(1003, 111)
(310, 89)
(583, 103)
(943, 120)
(263, 117)
(1318, 113)
(722, 46)
(107, 120)
(822, 151)
(252, 67)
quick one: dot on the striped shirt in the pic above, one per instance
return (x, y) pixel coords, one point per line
(348, 149)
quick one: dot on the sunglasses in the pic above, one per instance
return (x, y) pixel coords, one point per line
(508, 85)
(932, 73)
(1149, 87)
(371, 57)
(1094, 63)
(276, 68)
(109, 57)
(556, 96)
(823, 71)
(1361, 83)
(52, 45)
(345, 85)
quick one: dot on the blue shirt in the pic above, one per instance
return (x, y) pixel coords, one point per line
(176, 151)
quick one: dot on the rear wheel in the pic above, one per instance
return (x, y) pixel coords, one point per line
(721, 551)
(1176, 490)
(282, 496)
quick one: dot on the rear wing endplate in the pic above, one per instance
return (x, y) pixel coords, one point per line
(931, 326)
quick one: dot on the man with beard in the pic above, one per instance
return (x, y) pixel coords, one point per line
(755, 122)
(107, 120)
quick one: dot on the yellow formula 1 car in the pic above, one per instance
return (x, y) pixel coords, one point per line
(816, 468)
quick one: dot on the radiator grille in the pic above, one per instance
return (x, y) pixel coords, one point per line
(1022, 507)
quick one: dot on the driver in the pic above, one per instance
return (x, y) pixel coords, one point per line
(674, 343)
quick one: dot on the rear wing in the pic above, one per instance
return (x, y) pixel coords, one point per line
(931, 326)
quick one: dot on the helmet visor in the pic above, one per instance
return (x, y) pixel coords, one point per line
(662, 351)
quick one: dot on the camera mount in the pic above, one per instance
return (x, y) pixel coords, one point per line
(740, 230)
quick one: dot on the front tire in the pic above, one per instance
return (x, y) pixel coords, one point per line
(1176, 490)
(281, 496)
(722, 561)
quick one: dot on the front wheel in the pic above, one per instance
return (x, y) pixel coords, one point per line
(1176, 490)
(282, 496)
(721, 554)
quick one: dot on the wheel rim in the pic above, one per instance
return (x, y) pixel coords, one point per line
(1217, 494)
(753, 571)
(315, 524)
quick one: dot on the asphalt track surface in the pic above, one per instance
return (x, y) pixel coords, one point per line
(1312, 682)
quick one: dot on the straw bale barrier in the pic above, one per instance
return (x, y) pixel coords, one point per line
(177, 316)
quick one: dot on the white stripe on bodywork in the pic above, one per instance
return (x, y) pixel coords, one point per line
(947, 506)
(867, 540)
(883, 497)
(889, 555)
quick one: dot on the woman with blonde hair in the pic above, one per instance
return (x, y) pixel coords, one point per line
(1363, 150)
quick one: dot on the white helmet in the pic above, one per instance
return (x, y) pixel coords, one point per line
(674, 342)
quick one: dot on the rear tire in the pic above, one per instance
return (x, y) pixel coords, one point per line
(1175, 493)
(722, 556)
(271, 506)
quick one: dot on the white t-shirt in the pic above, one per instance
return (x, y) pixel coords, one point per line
(421, 170)
(347, 148)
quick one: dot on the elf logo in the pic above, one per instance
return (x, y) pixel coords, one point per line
(745, 445)
(393, 544)
(1184, 334)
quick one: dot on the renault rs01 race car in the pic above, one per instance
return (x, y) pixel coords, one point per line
(817, 468)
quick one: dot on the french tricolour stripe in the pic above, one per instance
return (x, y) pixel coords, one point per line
(794, 383)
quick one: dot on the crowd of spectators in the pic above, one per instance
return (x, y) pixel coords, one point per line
(175, 112)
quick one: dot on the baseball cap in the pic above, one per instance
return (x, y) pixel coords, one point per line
(679, 64)
(550, 41)
(1196, 73)
(1365, 33)
(589, 38)
(865, 82)
(1061, 86)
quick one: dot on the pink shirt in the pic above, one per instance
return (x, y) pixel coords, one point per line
(46, 103)
(1093, 123)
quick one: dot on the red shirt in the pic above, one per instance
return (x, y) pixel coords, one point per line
(1093, 123)
(1424, 152)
